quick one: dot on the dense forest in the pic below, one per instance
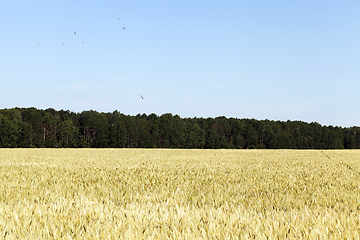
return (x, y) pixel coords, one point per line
(31, 127)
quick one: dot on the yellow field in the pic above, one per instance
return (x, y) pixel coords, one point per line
(179, 194)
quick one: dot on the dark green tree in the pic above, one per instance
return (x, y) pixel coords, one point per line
(67, 134)
(8, 133)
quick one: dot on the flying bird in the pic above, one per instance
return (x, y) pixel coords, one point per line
(82, 42)
(118, 18)
(141, 97)
(74, 32)
(123, 28)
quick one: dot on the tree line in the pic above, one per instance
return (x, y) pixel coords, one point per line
(31, 127)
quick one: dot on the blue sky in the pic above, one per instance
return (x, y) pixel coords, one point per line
(277, 60)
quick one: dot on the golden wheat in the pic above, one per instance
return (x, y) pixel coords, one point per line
(179, 194)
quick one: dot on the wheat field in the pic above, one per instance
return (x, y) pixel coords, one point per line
(179, 194)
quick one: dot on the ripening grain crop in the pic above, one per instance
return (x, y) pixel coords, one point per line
(179, 194)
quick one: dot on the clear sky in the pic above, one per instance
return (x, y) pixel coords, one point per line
(278, 60)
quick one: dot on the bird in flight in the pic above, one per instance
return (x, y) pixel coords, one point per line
(118, 18)
(123, 28)
(141, 97)
(74, 32)
(82, 42)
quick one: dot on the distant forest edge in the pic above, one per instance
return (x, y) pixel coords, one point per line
(31, 127)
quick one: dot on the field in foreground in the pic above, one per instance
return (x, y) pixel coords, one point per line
(179, 194)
